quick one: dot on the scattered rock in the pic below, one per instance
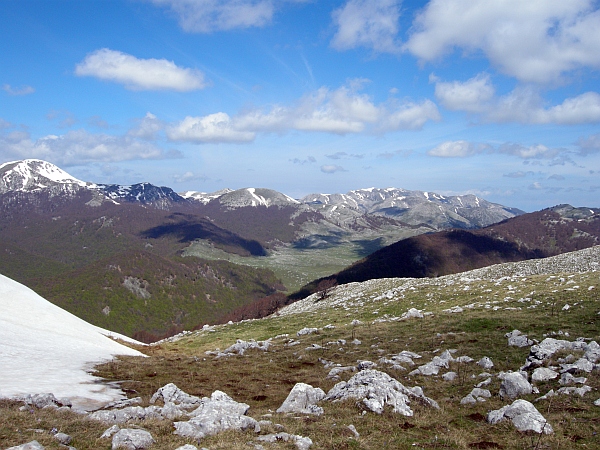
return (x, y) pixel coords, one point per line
(217, 413)
(170, 393)
(63, 438)
(449, 376)
(303, 399)
(376, 389)
(517, 339)
(573, 390)
(352, 428)
(514, 385)
(307, 331)
(413, 313)
(33, 445)
(486, 363)
(132, 439)
(335, 372)
(543, 374)
(43, 400)
(302, 443)
(187, 447)
(524, 416)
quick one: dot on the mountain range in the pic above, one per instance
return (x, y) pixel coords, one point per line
(144, 259)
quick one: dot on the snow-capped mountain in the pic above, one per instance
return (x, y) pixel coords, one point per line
(145, 193)
(44, 348)
(204, 197)
(256, 197)
(32, 175)
(416, 207)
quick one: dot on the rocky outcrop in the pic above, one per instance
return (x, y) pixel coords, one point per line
(524, 416)
(375, 389)
(132, 439)
(303, 399)
(215, 414)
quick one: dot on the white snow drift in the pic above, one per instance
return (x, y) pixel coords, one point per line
(44, 348)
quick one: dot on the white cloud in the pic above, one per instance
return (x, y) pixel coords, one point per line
(216, 127)
(538, 151)
(147, 128)
(457, 149)
(340, 111)
(524, 104)
(536, 41)
(189, 176)
(367, 23)
(332, 169)
(23, 90)
(472, 96)
(139, 74)
(4, 124)
(78, 147)
(206, 16)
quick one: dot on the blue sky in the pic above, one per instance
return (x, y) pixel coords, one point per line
(495, 98)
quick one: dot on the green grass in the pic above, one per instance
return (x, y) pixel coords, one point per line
(263, 379)
(298, 266)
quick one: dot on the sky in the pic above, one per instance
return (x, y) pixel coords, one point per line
(498, 98)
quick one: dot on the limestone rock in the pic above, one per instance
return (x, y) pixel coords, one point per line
(110, 431)
(514, 385)
(217, 413)
(33, 445)
(303, 399)
(302, 443)
(376, 389)
(543, 374)
(518, 339)
(63, 438)
(171, 393)
(485, 363)
(524, 416)
(132, 439)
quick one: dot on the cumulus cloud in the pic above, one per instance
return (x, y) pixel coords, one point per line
(79, 147)
(206, 16)
(457, 149)
(330, 168)
(367, 23)
(216, 127)
(473, 95)
(524, 104)
(23, 90)
(139, 74)
(147, 128)
(340, 111)
(532, 41)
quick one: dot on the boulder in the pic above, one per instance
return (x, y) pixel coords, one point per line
(303, 399)
(170, 393)
(524, 416)
(485, 363)
(514, 385)
(543, 374)
(375, 389)
(518, 339)
(132, 439)
(215, 414)
(33, 445)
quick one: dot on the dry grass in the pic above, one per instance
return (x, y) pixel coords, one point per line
(264, 379)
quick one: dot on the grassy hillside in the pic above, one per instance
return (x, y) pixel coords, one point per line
(529, 296)
(81, 258)
(535, 235)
